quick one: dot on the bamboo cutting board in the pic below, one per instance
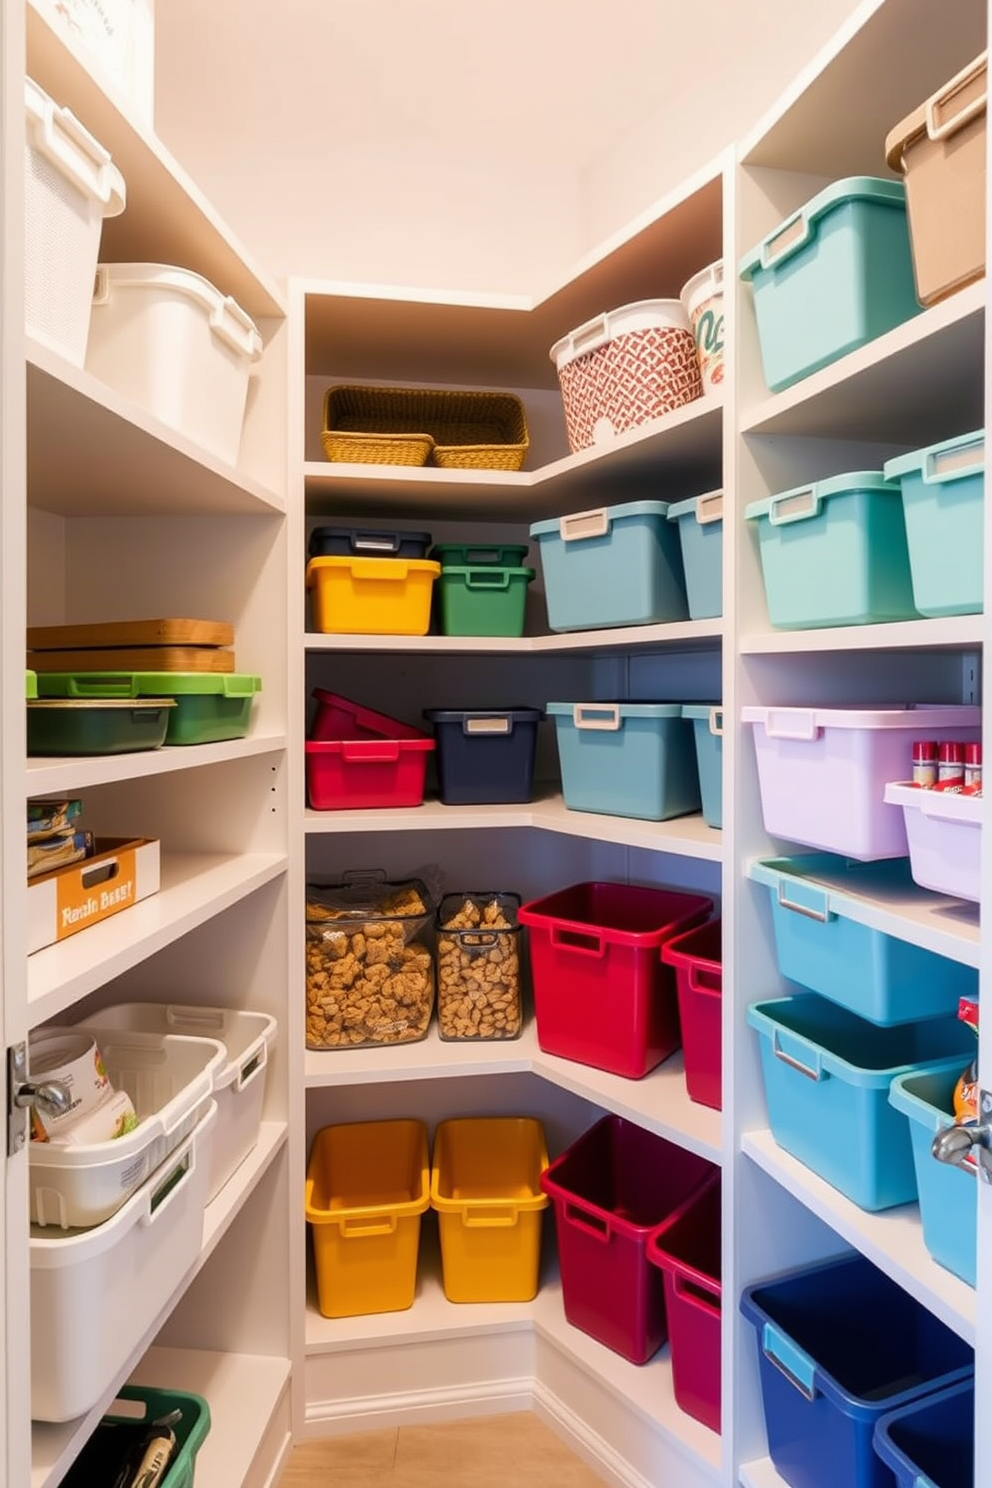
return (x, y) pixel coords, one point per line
(168, 632)
(135, 659)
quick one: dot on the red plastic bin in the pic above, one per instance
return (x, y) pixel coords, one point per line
(696, 958)
(611, 1189)
(361, 760)
(687, 1250)
(601, 993)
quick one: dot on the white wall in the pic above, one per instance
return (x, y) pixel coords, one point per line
(460, 143)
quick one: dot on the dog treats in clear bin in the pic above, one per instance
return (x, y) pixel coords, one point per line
(479, 967)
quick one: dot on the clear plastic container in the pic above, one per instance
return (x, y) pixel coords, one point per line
(479, 967)
(370, 971)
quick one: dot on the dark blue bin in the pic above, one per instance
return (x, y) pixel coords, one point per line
(841, 1345)
(485, 756)
(931, 1443)
(366, 542)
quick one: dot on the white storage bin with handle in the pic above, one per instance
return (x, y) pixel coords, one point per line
(822, 772)
(239, 1078)
(95, 1292)
(170, 341)
(70, 186)
(170, 1081)
(944, 832)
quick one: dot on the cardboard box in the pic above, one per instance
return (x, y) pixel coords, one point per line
(122, 871)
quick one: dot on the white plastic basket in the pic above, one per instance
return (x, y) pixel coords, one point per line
(822, 772)
(94, 1292)
(239, 1079)
(944, 832)
(170, 1080)
(171, 342)
(70, 186)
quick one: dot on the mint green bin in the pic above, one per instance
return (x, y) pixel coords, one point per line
(943, 498)
(834, 553)
(831, 277)
(210, 706)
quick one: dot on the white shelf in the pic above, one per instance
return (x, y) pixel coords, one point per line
(92, 452)
(658, 1101)
(168, 219)
(685, 836)
(913, 386)
(46, 776)
(949, 633)
(892, 1239)
(761, 1474)
(949, 927)
(682, 635)
(681, 447)
(194, 888)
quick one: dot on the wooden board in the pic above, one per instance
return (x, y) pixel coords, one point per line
(135, 659)
(168, 632)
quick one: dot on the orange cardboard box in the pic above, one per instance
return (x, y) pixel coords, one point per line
(62, 903)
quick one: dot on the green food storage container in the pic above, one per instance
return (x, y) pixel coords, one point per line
(485, 601)
(145, 1405)
(96, 725)
(210, 706)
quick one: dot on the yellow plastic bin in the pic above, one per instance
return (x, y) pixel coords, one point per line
(371, 596)
(486, 1187)
(367, 1186)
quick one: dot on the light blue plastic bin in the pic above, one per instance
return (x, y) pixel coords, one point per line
(943, 498)
(816, 901)
(948, 1195)
(618, 565)
(834, 553)
(707, 729)
(700, 522)
(626, 759)
(827, 1075)
(831, 277)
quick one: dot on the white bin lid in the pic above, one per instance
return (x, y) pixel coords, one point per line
(228, 321)
(641, 315)
(58, 135)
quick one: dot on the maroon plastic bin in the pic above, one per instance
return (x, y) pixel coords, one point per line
(357, 759)
(611, 1189)
(687, 1250)
(601, 993)
(696, 959)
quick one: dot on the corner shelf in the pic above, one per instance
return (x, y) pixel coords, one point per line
(678, 635)
(948, 633)
(46, 775)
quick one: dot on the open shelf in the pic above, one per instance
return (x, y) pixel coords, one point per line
(949, 633)
(892, 1239)
(761, 1474)
(681, 448)
(194, 888)
(679, 635)
(168, 219)
(46, 775)
(685, 836)
(92, 453)
(917, 384)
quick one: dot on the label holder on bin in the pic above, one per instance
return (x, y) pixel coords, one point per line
(797, 1367)
(581, 525)
(942, 465)
(814, 1072)
(605, 716)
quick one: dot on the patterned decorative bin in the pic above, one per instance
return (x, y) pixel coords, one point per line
(625, 367)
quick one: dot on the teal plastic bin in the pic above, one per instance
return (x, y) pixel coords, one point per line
(700, 526)
(626, 759)
(948, 1195)
(618, 565)
(943, 498)
(831, 277)
(834, 553)
(827, 1075)
(707, 733)
(816, 901)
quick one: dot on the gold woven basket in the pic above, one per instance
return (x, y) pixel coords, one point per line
(417, 426)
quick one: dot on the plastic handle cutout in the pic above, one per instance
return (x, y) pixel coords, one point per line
(605, 716)
(955, 464)
(100, 873)
(485, 579)
(790, 1361)
(252, 1068)
(61, 138)
(177, 1016)
(488, 725)
(794, 507)
(178, 1174)
(489, 1219)
(370, 751)
(359, 1226)
(948, 112)
(589, 337)
(810, 1072)
(236, 329)
(581, 525)
(584, 942)
(695, 1295)
(788, 240)
(94, 684)
(596, 1225)
(709, 508)
(706, 979)
(375, 542)
(101, 286)
(716, 722)
(821, 914)
(393, 570)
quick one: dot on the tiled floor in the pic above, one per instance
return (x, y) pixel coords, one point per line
(517, 1449)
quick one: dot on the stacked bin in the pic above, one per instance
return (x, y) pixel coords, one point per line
(482, 589)
(370, 583)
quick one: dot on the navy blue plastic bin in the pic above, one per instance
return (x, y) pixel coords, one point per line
(366, 542)
(840, 1345)
(485, 756)
(931, 1443)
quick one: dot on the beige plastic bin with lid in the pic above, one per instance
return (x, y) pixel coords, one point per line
(940, 149)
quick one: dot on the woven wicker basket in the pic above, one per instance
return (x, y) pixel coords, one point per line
(415, 426)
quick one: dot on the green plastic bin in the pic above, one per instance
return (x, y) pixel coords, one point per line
(834, 553)
(210, 706)
(486, 601)
(479, 555)
(70, 726)
(943, 498)
(30, 684)
(91, 1466)
(831, 277)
